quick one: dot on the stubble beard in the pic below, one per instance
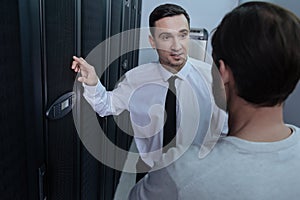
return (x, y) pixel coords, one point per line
(172, 64)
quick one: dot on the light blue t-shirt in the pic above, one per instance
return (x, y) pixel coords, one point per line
(235, 169)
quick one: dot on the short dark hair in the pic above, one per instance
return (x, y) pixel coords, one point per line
(260, 43)
(166, 10)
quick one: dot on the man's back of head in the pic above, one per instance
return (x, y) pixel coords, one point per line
(260, 42)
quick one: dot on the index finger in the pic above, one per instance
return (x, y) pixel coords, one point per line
(79, 60)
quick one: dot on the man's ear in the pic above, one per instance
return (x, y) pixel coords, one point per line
(152, 42)
(224, 71)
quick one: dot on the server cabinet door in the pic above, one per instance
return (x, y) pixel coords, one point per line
(12, 138)
(123, 16)
(21, 118)
(99, 24)
(60, 43)
(94, 30)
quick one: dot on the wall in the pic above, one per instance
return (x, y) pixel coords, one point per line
(292, 5)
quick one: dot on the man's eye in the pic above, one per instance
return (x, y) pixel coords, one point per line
(166, 37)
(183, 36)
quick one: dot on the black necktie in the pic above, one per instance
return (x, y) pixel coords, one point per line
(170, 123)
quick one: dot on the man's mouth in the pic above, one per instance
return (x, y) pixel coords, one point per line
(176, 55)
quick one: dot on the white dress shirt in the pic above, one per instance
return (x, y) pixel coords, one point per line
(143, 91)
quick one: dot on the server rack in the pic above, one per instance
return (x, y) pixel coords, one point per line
(44, 158)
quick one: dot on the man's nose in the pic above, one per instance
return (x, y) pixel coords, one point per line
(176, 45)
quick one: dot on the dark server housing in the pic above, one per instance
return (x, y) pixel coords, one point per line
(43, 157)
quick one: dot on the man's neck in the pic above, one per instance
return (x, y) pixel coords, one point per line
(173, 69)
(259, 124)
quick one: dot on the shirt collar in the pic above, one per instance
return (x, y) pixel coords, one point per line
(182, 74)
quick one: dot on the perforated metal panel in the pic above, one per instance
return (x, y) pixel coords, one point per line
(12, 137)
(62, 141)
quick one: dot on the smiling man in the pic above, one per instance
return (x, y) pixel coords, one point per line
(171, 37)
(165, 98)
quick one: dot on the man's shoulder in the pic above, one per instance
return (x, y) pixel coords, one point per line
(142, 74)
(143, 69)
(192, 163)
(202, 67)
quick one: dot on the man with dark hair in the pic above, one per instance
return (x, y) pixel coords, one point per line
(166, 10)
(257, 52)
(148, 89)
